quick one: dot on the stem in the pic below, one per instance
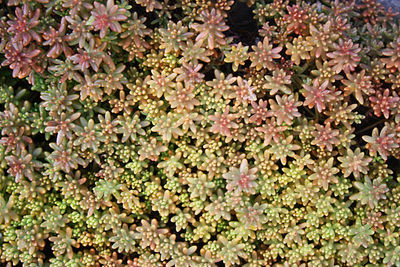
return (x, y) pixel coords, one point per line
(371, 126)
(316, 114)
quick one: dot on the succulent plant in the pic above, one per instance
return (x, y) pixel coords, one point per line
(199, 133)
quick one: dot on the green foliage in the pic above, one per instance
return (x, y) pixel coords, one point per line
(199, 133)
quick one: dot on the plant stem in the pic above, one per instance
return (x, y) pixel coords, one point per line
(370, 126)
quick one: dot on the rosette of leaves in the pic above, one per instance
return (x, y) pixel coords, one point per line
(263, 55)
(134, 31)
(358, 85)
(164, 203)
(362, 234)
(392, 60)
(211, 29)
(253, 216)
(279, 81)
(324, 173)
(149, 234)
(241, 179)
(345, 56)
(57, 100)
(192, 52)
(91, 55)
(354, 162)
(104, 189)
(150, 149)
(124, 239)
(230, 251)
(63, 243)
(200, 186)
(21, 26)
(182, 98)
(89, 87)
(237, 55)
(64, 157)
(22, 60)
(183, 256)
(56, 39)
(283, 149)
(172, 164)
(107, 17)
(174, 36)
(218, 206)
(203, 230)
(130, 127)
(223, 123)
(22, 165)
(382, 142)
(370, 192)
(317, 95)
(166, 127)
(7, 215)
(62, 126)
(54, 220)
(182, 219)
(88, 136)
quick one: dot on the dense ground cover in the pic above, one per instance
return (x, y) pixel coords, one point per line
(199, 133)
